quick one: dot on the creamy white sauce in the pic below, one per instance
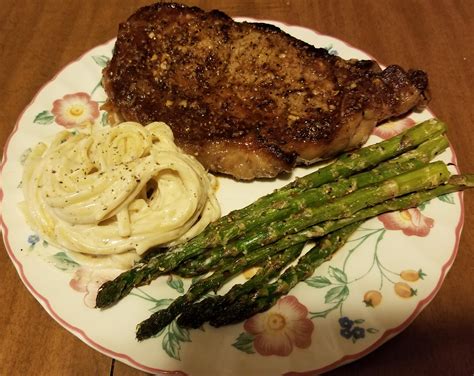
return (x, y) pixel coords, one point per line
(109, 196)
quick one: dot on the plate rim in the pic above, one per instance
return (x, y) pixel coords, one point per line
(81, 334)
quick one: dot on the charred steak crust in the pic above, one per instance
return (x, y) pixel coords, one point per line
(247, 99)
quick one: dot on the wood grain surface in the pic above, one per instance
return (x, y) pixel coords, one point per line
(38, 38)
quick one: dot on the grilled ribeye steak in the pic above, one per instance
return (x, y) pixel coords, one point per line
(247, 99)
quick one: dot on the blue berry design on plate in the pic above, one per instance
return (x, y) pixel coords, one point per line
(351, 329)
(32, 240)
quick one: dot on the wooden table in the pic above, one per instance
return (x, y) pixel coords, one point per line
(38, 38)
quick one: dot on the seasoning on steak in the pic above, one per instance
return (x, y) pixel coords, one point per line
(247, 99)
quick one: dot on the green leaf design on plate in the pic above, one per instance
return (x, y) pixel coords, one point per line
(101, 60)
(323, 314)
(244, 342)
(173, 338)
(171, 345)
(161, 304)
(158, 303)
(372, 330)
(181, 334)
(337, 274)
(447, 198)
(423, 205)
(103, 119)
(63, 262)
(421, 274)
(176, 283)
(45, 117)
(336, 294)
(359, 321)
(98, 85)
(318, 282)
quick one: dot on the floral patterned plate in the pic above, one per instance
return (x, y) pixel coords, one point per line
(371, 290)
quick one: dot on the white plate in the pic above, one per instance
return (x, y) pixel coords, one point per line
(337, 326)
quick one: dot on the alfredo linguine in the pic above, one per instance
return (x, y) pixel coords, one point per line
(109, 196)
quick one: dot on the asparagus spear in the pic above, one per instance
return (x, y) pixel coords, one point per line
(160, 319)
(241, 301)
(205, 310)
(266, 296)
(270, 207)
(317, 196)
(111, 292)
(425, 177)
(202, 311)
(346, 165)
(164, 317)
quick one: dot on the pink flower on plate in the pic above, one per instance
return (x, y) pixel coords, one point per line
(75, 110)
(88, 280)
(393, 128)
(410, 221)
(279, 329)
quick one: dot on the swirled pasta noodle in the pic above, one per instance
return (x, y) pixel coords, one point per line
(109, 196)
